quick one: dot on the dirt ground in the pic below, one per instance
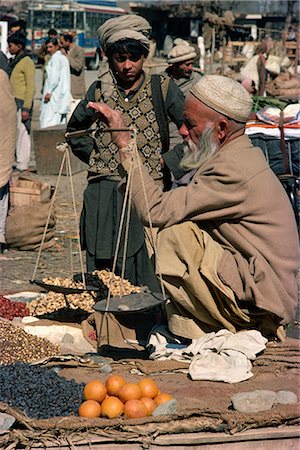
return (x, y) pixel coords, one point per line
(17, 267)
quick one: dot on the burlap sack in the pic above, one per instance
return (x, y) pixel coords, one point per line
(121, 331)
(25, 226)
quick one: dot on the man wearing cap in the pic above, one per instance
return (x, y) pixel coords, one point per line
(180, 60)
(125, 87)
(22, 81)
(228, 243)
(180, 69)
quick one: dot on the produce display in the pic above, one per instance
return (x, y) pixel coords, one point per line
(10, 309)
(53, 301)
(17, 345)
(116, 397)
(39, 392)
(118, 285)
(65, 282)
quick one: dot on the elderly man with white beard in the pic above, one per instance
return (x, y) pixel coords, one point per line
(227, 246)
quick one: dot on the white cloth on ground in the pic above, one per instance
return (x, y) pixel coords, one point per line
(221, 356)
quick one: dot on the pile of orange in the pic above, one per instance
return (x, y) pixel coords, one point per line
(116, 397)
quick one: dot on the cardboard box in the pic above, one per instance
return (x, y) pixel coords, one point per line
(48, 158)
(25, 191)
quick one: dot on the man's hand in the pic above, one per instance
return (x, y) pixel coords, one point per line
(47, 97)
(113, 119)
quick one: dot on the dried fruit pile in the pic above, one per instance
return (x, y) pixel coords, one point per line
(39, 392)
(115, 397)
(53, 301)
(65, 282)
(118, 286)
(17, 345)
(10, 309)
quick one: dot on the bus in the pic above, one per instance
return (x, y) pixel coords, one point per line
(81, 18)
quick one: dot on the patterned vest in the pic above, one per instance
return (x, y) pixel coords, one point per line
(139, 112)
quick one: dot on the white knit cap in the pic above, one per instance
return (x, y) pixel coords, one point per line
(179, 41)
(224, 95)
(181, 52)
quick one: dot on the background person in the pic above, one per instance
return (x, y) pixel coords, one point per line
(43, 55)
(57, 88)
(75, 55)
(228, 242)
(124, 87)
(181, 59)
(8, 131)
(23, 86)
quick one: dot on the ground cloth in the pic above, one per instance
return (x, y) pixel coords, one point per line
(221, 356)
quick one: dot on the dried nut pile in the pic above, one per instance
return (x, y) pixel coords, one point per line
(17, 345)
(65, 282)
(53, 301)
(39, 392)
(118, 286)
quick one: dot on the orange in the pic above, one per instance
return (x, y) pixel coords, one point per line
(90, 408)
(150, 404)
(95, 390)
(129, 391)
(112, 407)
(149, 387)
(135, 409)
(163, 397)
(114, 383)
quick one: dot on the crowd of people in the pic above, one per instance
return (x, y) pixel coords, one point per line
(63, 87)
(210, 219)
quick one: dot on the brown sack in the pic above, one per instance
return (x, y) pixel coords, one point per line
(122, 331)
(25, 226)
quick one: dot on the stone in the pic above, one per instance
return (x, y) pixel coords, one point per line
(169, 407)
(106, 368)
(286, 397)
(253, 402)
(6, 421)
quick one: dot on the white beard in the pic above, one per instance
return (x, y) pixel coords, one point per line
(195, 155)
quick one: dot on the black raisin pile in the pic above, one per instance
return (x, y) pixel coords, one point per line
(39, 392)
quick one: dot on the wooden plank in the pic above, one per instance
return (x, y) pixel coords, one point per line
(281, 438)
(259, 434)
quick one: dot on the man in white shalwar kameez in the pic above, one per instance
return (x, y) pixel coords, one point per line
(57, 88)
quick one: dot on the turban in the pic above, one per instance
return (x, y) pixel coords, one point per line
(181, 52)
(128, 26)
(224, 95)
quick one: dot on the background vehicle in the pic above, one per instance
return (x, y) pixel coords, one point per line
(80, 18)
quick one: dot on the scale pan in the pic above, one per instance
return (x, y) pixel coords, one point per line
(130, 303)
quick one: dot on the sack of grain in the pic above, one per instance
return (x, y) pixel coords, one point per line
(25, 226)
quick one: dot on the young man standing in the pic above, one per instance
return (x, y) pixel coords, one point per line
(75, 55)
(23, 86)
(127, 88)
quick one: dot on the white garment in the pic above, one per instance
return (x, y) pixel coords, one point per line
(4, 196)
(23, 144)
(73, 106)
(58, 84)
(221, 356)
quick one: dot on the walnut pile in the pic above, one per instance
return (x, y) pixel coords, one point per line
(53, 301)
(118, 286)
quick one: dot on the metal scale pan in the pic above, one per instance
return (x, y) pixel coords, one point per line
(131, 303)
(63, 289)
